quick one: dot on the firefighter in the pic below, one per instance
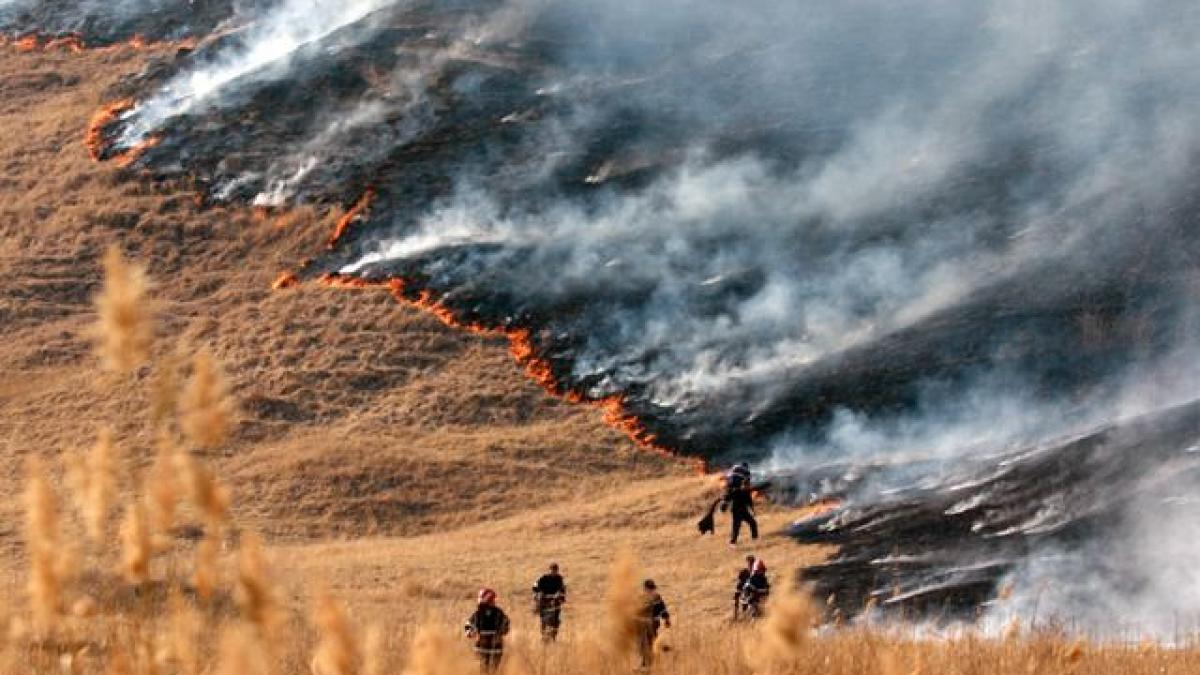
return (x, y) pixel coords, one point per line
(652, 616)
(488, 626)
(549, 595)
(742, 575)
(755, 591)
(739, 496)
(738, 476)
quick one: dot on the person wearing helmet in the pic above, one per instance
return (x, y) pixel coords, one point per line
(755, 591)
(742, 575)
(488, 626)
(739, 497)
(738, 476)
(549, 595)
(652, 616)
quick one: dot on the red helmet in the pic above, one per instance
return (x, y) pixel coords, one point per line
(487, 596)
(760, 566)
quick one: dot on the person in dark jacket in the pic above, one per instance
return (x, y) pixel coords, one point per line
(549, 595)
(739, 495)
(488, 626)
(652, 616)
(755, 591)
(742, 575)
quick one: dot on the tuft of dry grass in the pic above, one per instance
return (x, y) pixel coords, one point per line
(241, 653)
(337, 652)
(206, 575)
(255, 594)
(183, 641)
(126, 330)
(784, 635)
(163, 487)
(622, 602)
(136, 543)
(42, 539)
(434, 653)
(206, 410)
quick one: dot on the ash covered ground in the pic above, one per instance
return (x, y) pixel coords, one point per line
(937, 261)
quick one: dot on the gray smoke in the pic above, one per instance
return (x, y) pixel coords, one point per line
(910, 231)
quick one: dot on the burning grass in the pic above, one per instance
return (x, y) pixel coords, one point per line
(516, 481)
(142, 607)
(520, 346)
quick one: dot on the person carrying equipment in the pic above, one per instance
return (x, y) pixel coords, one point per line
(549, 595)
(652, 616)
(755, 591)
(739, 498)
(488, 626)
(742, 575)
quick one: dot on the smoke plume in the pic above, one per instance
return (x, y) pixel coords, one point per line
(947, 245)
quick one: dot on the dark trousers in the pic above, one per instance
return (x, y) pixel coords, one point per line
(741, 514)
(490, 651)
(551, 620)
(646, 635)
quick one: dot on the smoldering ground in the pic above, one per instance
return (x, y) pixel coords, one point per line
(764, 229)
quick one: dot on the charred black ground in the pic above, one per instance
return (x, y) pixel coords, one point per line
(742, 229)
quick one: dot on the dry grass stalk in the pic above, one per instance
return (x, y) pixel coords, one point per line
(126, 329)
(184, 639)
(337, 650)
(255, 594)
(433, 653)
(622, 603)
(784, 635)
(42, 539)
(373, 659)
(241, 653)
(136, 544)
(207, 494)
(207, 574)
(99, 486)
(163, 486)
(206, 409)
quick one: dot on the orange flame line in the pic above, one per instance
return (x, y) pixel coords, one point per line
(521, 346)
(75, 43)
(285, 280)
(352, 216)
(94, 140)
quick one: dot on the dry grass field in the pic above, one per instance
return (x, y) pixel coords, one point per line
(327, 492)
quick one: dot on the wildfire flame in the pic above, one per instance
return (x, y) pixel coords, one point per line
(523, 350)
(285, 280)
(95, 139)
(75, 43)
(352, 216)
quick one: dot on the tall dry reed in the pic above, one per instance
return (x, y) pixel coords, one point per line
(136, 543)
(433, 652)
(338, 651)
(206, 410)
(784, 635)
(126, 329)
(42, 539)
(622, 602)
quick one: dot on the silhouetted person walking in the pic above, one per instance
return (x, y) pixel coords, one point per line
(652, 616)
(549, 595)
(739, 497)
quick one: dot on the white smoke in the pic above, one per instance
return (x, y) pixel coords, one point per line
(261, 53)
(912, 157)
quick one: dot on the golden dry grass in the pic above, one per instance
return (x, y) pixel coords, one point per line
(391, 463)
(355, 414)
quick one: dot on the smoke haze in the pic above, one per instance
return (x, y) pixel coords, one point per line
(911, 233)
